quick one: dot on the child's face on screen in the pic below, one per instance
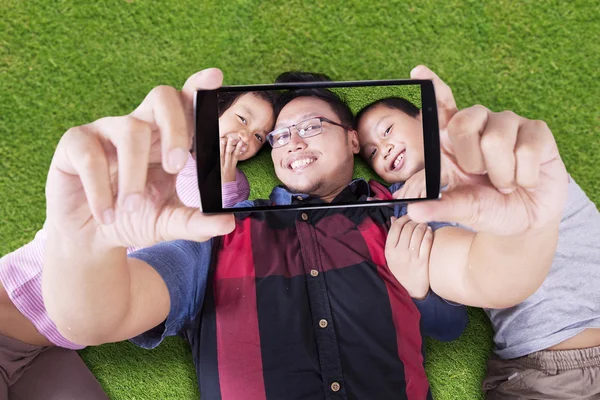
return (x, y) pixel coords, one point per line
(391, 142)
(248, 119)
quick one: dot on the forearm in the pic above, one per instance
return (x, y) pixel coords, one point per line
(491, 271)
(86, 290)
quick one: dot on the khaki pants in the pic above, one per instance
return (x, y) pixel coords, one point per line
(548, 375)
(30, 372)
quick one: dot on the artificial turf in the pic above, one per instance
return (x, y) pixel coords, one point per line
(65, 63)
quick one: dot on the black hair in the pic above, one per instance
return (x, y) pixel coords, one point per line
(300, 76)
(226, 99)
(337, 104)
(395, 103)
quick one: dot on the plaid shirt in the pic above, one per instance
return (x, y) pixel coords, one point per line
(299, 305)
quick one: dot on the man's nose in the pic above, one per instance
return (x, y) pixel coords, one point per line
(296, 142)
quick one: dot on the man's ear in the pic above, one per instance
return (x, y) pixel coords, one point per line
(353, 137)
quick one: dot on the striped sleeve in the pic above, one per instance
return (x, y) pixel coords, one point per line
(235, 192)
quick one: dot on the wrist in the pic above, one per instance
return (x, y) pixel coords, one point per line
(228, 176)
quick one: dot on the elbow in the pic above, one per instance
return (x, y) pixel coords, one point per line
(505, 300)
(77, 325)
(75, 329)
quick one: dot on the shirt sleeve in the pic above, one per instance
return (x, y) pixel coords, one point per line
(23, 265)
(235, 192)
(183, 266)
(440, 319)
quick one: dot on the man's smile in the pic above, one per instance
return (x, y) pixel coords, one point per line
(300, 162)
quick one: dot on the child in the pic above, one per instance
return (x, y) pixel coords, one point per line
(244, 121)
(29, 340)
(553, 336)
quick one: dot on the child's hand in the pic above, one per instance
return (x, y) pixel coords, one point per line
(413, 188)
(231, 149)
(407, 252)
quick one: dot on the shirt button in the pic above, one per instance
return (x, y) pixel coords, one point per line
(314, 272)
(299, 197)
(335, 386)
(304, 216)
(323, 323)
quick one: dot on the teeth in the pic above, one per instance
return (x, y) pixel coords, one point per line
(302, 162)
(398, 159)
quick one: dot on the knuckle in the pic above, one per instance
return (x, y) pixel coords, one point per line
(539, 125)
(420, 228)
(162, 90)
(525, 151)
(479, 109)
(74, 133)
(508, 114)
(89, 160)
(493, 142)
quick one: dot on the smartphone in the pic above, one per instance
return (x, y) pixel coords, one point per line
(295, 146)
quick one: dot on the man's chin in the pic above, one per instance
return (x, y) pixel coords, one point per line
(310, 189)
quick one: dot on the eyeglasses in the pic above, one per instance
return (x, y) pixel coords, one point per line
(307, 128)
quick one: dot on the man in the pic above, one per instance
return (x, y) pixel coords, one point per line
(258, 336)
(438, 319)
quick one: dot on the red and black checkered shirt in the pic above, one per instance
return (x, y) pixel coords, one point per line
(298, 305)
(303, 306)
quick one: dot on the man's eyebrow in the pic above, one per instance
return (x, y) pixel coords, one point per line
(298, 119)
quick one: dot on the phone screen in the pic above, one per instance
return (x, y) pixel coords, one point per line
(300, 145)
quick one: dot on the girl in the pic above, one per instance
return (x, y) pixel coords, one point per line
(34, 357)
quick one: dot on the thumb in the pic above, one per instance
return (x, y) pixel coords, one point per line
(464, 205)
(187, 223)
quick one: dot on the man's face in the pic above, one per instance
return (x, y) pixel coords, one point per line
(320, 165)
(392, 143)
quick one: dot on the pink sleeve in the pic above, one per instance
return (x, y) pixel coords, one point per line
(187, 184)
(235, 192)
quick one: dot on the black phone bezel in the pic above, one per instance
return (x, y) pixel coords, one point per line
(206, 143)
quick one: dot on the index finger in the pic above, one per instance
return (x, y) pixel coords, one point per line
(443, 94)
(207, 79)
(210, 78)
(163, 110)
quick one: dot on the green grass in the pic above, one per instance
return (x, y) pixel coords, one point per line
(67, 63)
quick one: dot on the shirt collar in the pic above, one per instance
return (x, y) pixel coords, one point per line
(357, 190)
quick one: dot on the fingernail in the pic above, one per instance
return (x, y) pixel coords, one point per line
(177, 158)
(393, 219)
(108, 216)
(507, 190)
(133, 202)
